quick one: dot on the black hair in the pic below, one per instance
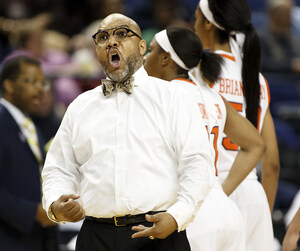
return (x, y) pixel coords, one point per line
(235, 15)
(11, 67)
(189, 49)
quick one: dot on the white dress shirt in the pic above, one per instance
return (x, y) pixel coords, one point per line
(131, 154)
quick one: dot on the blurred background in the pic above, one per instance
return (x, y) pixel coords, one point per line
(58, 32)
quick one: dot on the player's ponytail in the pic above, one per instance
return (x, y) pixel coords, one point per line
(210, 66)
(234, 16)
(189, 49)
(250, 73)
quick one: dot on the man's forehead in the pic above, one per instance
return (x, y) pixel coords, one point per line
(115, 22)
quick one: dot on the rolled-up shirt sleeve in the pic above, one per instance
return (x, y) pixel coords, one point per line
(60, 173)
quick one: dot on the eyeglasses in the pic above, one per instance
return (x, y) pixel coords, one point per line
(46, 84)
(120, 34)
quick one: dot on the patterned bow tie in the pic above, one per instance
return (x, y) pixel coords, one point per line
(108, 86)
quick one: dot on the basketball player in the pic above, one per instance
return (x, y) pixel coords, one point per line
(172, 53)
(225, 28)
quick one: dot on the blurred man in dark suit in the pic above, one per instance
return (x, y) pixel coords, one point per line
(24, 224)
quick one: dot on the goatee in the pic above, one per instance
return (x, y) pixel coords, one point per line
(131, 66)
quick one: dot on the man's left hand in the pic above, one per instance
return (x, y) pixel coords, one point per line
(163, 225)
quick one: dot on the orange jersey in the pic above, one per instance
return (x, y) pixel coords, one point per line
(212, 110)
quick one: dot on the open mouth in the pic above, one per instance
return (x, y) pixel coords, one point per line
(115, 58)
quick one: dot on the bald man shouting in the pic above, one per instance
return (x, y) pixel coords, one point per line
(131, 156)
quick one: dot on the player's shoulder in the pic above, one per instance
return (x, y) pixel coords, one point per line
(167, 86)
(174, 93)
(157, 82)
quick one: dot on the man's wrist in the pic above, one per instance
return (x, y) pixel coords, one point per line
(51, 215)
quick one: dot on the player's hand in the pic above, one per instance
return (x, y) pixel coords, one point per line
(66, 208)
(163, 225)
(42, 218)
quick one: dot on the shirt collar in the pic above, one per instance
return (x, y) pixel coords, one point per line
(139, 75)
(225, 54)
(15, 112)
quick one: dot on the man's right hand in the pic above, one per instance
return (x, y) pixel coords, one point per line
(42, 218)
(66, 208)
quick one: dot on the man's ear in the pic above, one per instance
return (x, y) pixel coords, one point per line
(166, 58)
(8, 86)
(143, 47)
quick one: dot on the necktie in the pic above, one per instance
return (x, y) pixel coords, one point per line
(32, 139)
(108, 86)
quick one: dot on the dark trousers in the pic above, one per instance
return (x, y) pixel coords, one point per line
(96, 236)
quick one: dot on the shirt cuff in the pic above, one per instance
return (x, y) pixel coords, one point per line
(51, 215)
(48, 202)
(182, 213)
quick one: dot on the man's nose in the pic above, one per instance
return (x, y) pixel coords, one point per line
(39, 86)
(112, 42)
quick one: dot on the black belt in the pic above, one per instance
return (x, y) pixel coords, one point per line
(121, 221)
